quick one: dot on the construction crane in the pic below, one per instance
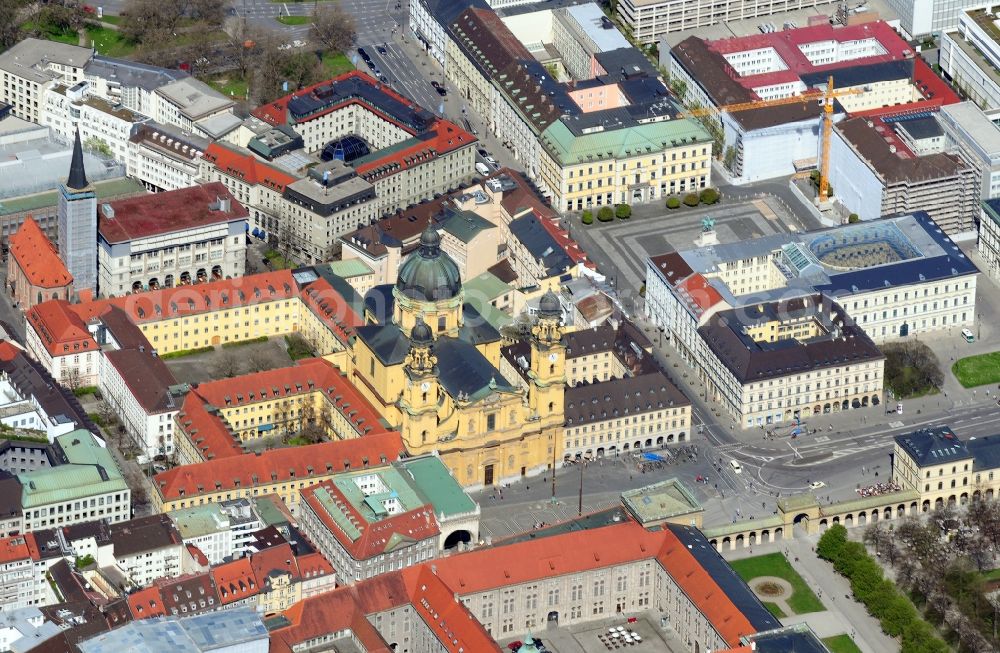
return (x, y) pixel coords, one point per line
(824, 97)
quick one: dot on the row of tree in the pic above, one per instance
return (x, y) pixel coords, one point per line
(895, 612)
(940, 562)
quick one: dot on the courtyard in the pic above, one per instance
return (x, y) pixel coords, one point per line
(234, 360)
(644, 635)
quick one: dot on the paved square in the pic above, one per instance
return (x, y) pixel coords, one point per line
(591, 637)
(624, 245)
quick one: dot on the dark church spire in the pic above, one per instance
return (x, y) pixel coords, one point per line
(77, 179)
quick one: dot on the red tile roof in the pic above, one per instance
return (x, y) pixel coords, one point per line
(376, 537)
(700, 295)
(60, 328)
(168, 212)
(672, 266)
(312, 565)
(570, 246)
(197, 555)
(278, 559)
(934, 91)
(443, 137)
(235, 581)
(13, 549)
(243, 165)
(37, 257)
(181, 301)
(276, 465)
(212, 436)
(146, 603)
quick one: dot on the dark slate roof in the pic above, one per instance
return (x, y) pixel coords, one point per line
(388, 342)
(541, 244)
(77, 179)
(850, 76)
(10, 495)
(952, 263)
(380, 302)
(888, 163)
(59, 403)
(504, 272)
(132, 73)
(143, 534)
(751, 361)
(789, 640)
(335, 92)
(345, 289)
(985, 452)
(585, 342)
(732, 585)
(920, 128)
(632, 395)
(445, 11)
(934, 446)
(462, 368)
(475, 329)
(625, 63)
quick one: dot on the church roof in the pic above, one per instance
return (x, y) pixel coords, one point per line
(386, 341)
(463, 369)
(77, 179)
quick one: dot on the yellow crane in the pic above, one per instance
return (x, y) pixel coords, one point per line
(824, 97)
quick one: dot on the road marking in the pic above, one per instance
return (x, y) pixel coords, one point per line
(794, 450)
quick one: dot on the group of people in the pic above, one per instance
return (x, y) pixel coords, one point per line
(878, 488)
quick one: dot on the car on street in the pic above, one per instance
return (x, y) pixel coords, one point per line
(815, 485)
(442, 91)
(382, 50)
(493, 162)
(737, 468)
(967, 334)
(383, 79)
(483, 153)
(482, 169)
(364, 55)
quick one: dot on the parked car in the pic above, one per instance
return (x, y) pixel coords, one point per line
(493, 162)
(364, 55)
(968, 335)
(381, 50)
(482, 169)
(737, 468)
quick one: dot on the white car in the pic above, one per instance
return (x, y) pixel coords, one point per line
(490, 160)
(815, 485)
(737, 468)
(967, 334)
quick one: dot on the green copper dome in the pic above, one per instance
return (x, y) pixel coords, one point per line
(429, 274)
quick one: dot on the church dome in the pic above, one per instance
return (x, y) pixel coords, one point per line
(421, 334)
(549, 305)
(429, 274)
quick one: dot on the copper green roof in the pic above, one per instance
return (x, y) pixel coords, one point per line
(568, 148)
(90, 470)
(102, 189)
(432, 480)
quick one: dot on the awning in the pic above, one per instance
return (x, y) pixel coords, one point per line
(256, 232)
(265, 427)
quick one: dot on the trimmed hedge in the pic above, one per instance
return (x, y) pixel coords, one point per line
(240, 343)
(691, 199)
(623, 211)
(605, 214)
(709, 196)
(186, 352)
(85, 390)
(880, 596)
(587, 217)
(673, 203)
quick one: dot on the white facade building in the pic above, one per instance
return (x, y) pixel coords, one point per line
(148, 548)
(164, 157)
(978, 139)
(222, 531)
(970, 57)
(67, 109)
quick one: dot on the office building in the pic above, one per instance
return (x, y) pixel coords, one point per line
(178, 237)
(217, 632)
(978, 139)
(970, 56)
(989, 237)
(919, 18)
(164, 157)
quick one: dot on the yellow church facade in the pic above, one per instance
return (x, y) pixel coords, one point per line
(432, 371)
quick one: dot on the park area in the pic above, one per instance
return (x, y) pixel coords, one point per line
(974, 371)
(778, 585)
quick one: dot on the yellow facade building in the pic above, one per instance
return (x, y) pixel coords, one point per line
(432, 371)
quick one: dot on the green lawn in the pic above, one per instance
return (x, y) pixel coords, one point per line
(68, 37)
(336, 63)
(109, 42)
(991, 574)
(233, 87)
(775, 610)
(802, 599)
(973, 371)
(294, 20)
(841, 644)
(112, 20)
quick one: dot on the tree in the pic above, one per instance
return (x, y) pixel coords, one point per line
(227, 365)
(605, 214)
(679, 87)
(709, 196)
(272, 67)
(911, 368)
(832, 542)
(853, 218)
(587, 217)
(333, 27)
(691, 199)
(209, 12)
(242, 44)
(71, 377)
(257, 361)
(99, 145)
(10, 23)
(673, 203)
(623, 211)
(729, 158)
(150, 21)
